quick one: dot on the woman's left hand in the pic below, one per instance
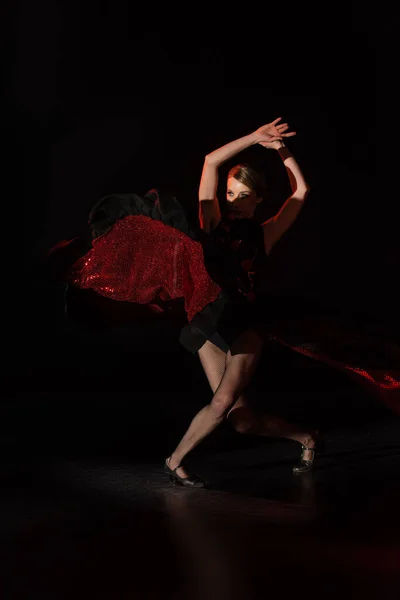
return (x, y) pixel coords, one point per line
(273, 132)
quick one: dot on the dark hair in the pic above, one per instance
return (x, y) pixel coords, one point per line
(250, 177)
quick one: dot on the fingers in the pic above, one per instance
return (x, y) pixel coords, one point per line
(282, 127)
(276, 121)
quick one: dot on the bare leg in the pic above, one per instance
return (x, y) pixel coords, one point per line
(240, 364)
(241, 415)
(244, 420)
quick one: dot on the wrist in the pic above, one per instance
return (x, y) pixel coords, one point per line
(254, 137)
(284, 152)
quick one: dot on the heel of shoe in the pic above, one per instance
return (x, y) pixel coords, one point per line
(190, 481)
(305, 466)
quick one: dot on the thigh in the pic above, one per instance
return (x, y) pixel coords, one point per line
(213, 361)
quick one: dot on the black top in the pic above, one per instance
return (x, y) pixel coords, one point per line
(244, 240)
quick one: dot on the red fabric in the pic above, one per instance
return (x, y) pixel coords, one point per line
(382, 383)
(370, 358)
(144, 261)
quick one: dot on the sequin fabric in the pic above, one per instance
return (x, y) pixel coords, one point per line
(144, 261)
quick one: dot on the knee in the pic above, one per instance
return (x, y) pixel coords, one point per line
(243, 427)
(221, 404)
(242, 420)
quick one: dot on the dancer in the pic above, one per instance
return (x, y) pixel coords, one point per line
(250, 244)
(144, 251)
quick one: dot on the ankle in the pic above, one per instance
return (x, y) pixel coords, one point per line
(308, 441)
(172, 462)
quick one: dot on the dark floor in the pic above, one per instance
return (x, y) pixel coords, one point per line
(86, 511)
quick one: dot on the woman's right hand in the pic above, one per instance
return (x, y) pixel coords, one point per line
(273, 132)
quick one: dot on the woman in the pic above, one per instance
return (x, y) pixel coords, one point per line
(250, 244)
(144, 252)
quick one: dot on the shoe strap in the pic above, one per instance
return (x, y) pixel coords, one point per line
(172, 470)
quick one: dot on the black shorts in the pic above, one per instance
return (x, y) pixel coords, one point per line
(220, 322)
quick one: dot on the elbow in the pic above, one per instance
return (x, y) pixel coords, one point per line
(305, 187)
(303, 191)
(210, 161)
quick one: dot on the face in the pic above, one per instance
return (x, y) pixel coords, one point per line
(242, 201)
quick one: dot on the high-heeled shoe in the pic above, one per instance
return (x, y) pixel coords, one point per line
(190, 481)
(305, 465)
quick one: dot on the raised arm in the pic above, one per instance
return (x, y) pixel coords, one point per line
(276, 226)
(209, 211)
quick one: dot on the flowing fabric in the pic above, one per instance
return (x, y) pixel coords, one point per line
(371, 359)
(144, 261)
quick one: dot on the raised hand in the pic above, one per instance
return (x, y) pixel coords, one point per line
(273, 132)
